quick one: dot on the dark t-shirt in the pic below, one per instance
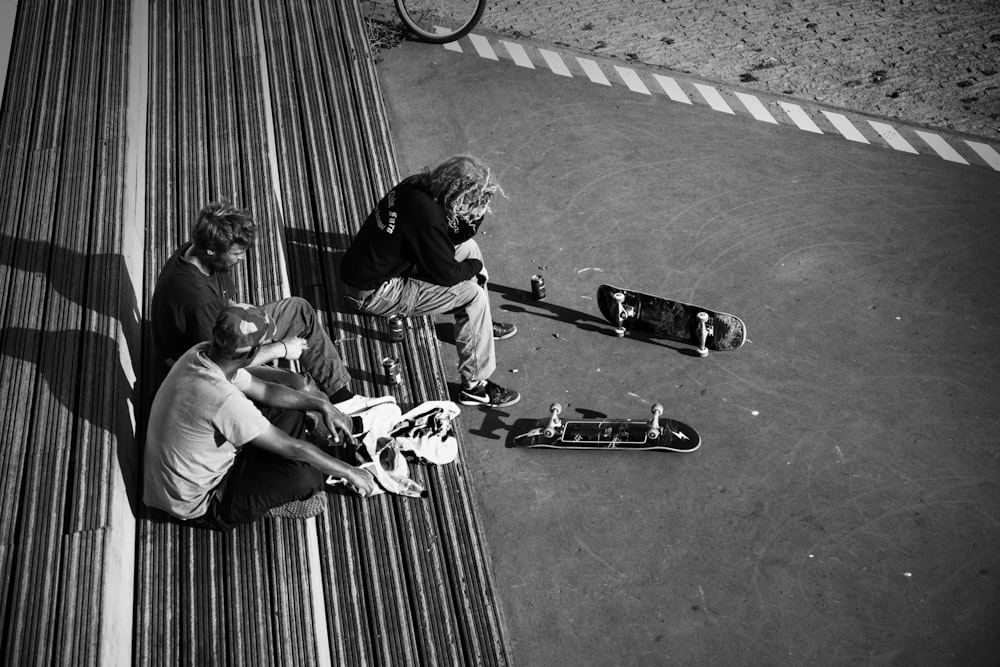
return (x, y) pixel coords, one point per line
(406, 235)
(185, 305)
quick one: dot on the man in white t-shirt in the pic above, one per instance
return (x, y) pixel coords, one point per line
(212, 457)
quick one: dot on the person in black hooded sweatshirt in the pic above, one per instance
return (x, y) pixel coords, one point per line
(415, 255)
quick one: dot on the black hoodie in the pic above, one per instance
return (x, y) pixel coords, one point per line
(408, 235)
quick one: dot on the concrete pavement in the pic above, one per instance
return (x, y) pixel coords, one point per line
(844, 506)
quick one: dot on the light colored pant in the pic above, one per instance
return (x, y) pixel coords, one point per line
(468, 301)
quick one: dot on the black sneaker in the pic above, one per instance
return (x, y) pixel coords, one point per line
(489, 394)
(503, 330)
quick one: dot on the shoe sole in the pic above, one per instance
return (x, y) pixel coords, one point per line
(506, 336)
(484, 404)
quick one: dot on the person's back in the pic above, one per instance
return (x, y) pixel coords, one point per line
(415, 255)
(197, 422)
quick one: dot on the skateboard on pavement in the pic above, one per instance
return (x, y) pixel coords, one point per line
(628, 310)
(627, 434)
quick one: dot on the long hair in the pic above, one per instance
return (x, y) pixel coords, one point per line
(463, 185)
(220, 226)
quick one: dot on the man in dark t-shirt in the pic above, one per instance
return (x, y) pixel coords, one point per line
(415, 255)
(196, 284)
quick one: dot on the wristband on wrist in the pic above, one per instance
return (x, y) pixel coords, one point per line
(285, 347)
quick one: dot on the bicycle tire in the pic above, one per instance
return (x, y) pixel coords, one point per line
(440, 21)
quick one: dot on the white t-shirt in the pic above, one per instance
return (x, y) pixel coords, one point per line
(197, 422)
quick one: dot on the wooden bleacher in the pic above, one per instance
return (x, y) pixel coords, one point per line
(112, 141)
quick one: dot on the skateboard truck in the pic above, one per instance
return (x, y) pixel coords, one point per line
(621, 314)
(702, 331)
(554, 422)
(654, 423)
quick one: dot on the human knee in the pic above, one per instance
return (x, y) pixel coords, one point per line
(300, 306)
(304, 482)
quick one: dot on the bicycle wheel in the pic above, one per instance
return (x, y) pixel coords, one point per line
(440, 21)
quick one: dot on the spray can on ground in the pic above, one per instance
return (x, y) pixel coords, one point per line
(538, 287)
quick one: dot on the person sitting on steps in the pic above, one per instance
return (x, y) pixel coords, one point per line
(415, 255)
(213, 458)
(197, 283)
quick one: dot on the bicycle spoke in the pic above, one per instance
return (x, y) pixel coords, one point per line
(440, 20)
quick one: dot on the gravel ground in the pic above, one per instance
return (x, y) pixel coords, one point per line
(931, 62)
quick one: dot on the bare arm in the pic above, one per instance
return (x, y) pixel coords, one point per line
(276, 395)
(278, 442)
(290, 348)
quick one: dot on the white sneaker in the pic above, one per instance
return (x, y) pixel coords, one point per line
(359, 403)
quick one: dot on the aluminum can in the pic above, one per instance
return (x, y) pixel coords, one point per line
(538, 287)
(393, 375)
(396, 329)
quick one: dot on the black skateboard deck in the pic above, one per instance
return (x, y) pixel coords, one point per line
(622, 434)
(706, 329)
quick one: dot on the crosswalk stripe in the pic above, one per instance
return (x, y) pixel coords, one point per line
(593, 71)
(714, 98)
(799, 116)
(554, 62)
(483, 47)
(632, 80)
(846, 127)
(518, 53)
(987, 152)
(756, 108)
(892, 137)
(941, 147)
(672, 89)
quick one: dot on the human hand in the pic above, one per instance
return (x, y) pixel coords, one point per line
(338, 424)
(362, 481)
(294, 347)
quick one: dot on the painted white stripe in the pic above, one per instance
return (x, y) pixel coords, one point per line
(451, 46)
(846, 127)
(555, 62)
(800, 117)
(987, 152)
(315, 567)
(941, 147)
(756, 108)
(518, 53)
(632, 80)
(593, 71)
(117, 598)
(672, 89)
(892, 137)
(483, 47)
(714, 98)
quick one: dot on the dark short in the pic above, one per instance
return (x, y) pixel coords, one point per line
(260, 481)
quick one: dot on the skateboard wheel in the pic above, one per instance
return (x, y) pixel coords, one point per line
(556, 408)
(657, 409)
